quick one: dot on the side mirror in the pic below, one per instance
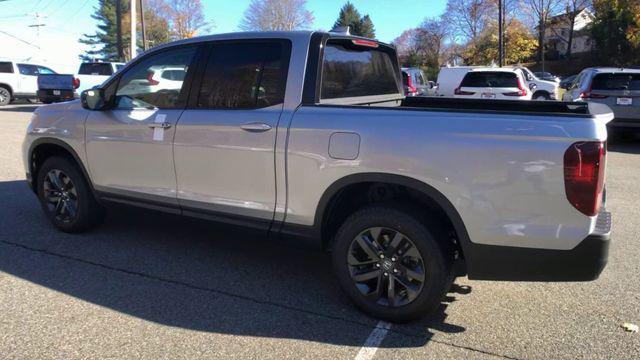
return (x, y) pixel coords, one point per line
(533, 86)
(93, 99)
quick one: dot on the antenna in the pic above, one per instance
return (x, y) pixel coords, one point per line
(342, 30)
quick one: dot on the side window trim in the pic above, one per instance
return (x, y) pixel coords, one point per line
(201, 67)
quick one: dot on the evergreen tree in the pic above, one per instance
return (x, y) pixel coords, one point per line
(358, 25)
(366, 27)
(104, 41)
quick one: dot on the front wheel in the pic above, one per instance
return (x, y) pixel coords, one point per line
(65, 196)
(5, 96)
(391, 264)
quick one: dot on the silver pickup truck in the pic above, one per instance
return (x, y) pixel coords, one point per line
(307, 136)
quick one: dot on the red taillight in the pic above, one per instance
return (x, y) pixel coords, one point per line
(411, 90)
(589, 95)
(458, 91)
(584, 164)
(150, 78)
(76, 83)
(522, 91)
(367, 43)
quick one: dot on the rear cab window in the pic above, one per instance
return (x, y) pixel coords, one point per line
(493, 79)
(616, 81)
(104, 69)
(6, 67)
(351, 71)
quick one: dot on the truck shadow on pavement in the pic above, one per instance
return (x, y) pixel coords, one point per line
(193, 274)
(21, 108)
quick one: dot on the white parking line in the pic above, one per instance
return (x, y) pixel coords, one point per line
(370, 346)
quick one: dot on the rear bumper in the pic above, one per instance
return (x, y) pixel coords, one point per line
(585, 262)
(47, 95)
(629, 123)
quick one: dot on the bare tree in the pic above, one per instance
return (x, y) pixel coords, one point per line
(430, 38)
(185, 17)
(268, 15)
(468, 17)
(540, 11)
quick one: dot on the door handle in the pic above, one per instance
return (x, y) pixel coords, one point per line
(162, 125)
(255, 127)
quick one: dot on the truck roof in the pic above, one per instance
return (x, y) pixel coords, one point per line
(297, 35)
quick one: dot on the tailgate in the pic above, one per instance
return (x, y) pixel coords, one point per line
(55, 82)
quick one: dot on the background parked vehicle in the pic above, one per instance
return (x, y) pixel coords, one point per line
(615, 87)
(56, 87)
(567, 82)
(494, 84)
(544, 90)
(19, 80)
(547, 76)
(416, 83)
(92, 74)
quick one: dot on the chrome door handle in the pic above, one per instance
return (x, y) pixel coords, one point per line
(255, 127)
(162, 125)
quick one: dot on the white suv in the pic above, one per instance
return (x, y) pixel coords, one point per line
(494, 83)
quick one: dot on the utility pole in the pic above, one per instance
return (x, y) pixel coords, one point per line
(134, 41)
(543, 19)
(119, 30)
(144, 30)
(501, 33)
(38, 25)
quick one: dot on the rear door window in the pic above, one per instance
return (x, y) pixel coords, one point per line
(490, 79)
(616, 81)
(353, 71)
(245, 75)
(6, 67)
(95, 69)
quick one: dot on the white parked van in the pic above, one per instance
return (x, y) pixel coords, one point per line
(506, 83)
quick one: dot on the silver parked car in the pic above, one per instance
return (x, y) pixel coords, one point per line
(615, 87)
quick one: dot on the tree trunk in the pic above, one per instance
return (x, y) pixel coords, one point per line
(572, 24)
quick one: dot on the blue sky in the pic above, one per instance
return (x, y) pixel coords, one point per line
(66, 20)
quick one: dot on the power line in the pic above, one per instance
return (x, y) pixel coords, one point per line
(21, 40)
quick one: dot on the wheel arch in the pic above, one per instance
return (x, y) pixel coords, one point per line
(43, 148)
(330, 195)
(8, 87)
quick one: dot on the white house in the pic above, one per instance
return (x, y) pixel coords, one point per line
(557, 33)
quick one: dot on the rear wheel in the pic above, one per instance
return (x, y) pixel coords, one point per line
(392, 265)
(65, 196)
(5, 96)
(541, 96)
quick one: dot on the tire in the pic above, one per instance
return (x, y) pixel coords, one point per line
(373, 296)
(75, 209)
(541, 97)
(5, 96)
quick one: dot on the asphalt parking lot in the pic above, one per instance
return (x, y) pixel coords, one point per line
(151, 285)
